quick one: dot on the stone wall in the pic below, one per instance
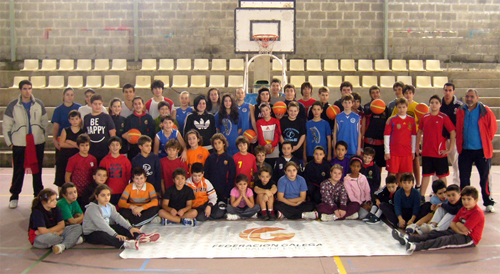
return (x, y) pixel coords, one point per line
(449, 30)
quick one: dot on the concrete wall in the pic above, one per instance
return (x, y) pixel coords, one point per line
(449, 30)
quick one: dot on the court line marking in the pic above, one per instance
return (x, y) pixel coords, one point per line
(37, 262)
(339, 264)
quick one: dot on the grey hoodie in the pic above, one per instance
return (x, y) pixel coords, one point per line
(93, 220)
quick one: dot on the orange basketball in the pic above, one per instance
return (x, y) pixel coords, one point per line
(175, 127)
(377, 106)
(421, 109)
(134, 135)
(272, 149)
(332, 111)
(279, 108)
(250, 134)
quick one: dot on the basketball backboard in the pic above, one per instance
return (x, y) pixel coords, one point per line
(264, 17)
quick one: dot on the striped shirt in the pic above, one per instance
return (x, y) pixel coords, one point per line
(145, 197)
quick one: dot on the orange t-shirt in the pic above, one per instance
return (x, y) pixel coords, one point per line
(198, 155)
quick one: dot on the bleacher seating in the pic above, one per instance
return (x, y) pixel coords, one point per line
(217, 81)
(331, 65)
(200, 64)
(166, 64)
(439, 81)
(119, 64)
(183, 64)
(369, 80)
(56, 81)
(333, 81)
(296, 65)
(353, 79)
(31, 64)
(277, 65)
(66, 64)
(382, 65)
(405, 79)
(219, 64)
(148, 64)
(75, 81)
(316, 81)
(198, 81)
(111, 81)
(313, 65)
(180, 81)
(164, 78)
(93, 81)
(143, 81)
(234, 81)
(84, 64)
(416, 65)
(49, 65)
(347, 65)
(18, 79)
(236, 64)
(399, 65)
(101, 64)
(297, 80)
(433, 65)
(423, 82)
(387, 81)
(38, 81)
(365, 65)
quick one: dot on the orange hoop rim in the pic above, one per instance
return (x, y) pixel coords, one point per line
(265, 37)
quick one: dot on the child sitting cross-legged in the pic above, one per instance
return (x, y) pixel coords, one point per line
(70, 209)
(242, 203)
(265, 188)
(205, 197)
(427, 209)
(358, 190)
(292, 191)
(383, 197)
(102, 224)
(46, 225)
(178, 201)
(139, 203)
(334, 197)
(466, 229)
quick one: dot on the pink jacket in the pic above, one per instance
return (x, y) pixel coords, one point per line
(357, 190)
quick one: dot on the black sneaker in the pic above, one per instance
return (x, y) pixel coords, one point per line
(264, 216)
(373, 220)
(368, 217)
(398, 236)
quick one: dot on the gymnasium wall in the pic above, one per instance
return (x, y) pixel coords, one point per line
(449, 30)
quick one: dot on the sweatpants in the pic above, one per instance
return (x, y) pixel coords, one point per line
(103, 238)
(350, 209)
(146, 215)
(440, 240)
(294, 212)
(18, 174)
(68, 238)
(407, 213)
(216, 213)
(244, 212)
(314, 193)
(483, 165)
(442, 218)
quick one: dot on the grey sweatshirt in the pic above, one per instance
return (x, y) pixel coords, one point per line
(94, 221)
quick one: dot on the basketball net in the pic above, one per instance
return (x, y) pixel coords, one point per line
(266, 42)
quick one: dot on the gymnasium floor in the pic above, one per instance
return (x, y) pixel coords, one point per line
(17, 256)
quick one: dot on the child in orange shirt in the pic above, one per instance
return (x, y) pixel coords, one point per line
(196, 153)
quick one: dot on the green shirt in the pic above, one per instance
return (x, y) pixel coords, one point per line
(68, 211)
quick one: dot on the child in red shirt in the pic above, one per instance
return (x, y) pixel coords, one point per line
(245, 162)
(399, 140)
(81, 166)
(466, 228)
(118, 167)
(170, 163)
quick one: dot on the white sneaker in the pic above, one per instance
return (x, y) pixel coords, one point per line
(131, 244)
(410, 247)
(354, 216)
(58, 249)
(410, 229)
(311, 215)
(328, 217)
(13, 204)
(156, 220)
(232, 217)
(254, 216)
(79, 241)
(489, 209)
(280, 215)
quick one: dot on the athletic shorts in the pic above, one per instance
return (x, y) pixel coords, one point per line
(400, 164)
(432, 165)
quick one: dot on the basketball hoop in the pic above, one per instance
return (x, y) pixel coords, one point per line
(266, 42)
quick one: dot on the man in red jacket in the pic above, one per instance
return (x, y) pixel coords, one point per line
(476, 127)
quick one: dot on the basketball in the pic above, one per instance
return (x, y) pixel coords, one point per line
(377, 106)
(250, 134)
(279, 108)
(134, 135)
(272, 149)
(332, 111)
(421, 109)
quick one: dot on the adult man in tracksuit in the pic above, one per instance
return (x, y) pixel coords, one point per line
(24, 126)
(476, 128)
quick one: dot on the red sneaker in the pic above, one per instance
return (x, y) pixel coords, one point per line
(149, 238)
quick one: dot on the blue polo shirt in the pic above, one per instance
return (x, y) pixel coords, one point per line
(472, 136)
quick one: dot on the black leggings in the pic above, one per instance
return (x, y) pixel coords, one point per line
(103, 238)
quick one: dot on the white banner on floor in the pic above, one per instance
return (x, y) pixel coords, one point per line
(252, 239)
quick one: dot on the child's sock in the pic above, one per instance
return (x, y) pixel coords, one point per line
(374, 209)
(378, 213)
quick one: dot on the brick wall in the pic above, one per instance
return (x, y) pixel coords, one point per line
(456, 30)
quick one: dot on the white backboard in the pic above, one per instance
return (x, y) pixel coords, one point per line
(252, 21)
